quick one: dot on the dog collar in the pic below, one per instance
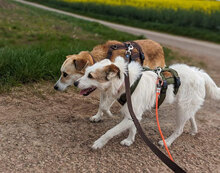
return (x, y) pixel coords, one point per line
(92, 58)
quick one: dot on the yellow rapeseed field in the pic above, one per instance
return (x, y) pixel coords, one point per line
(203, 5)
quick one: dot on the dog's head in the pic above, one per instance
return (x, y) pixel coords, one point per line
(72, 69)
(101, 75)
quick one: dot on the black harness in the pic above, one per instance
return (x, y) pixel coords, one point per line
(172, 80)
(129, 47)
(131, 56)
(126, 97)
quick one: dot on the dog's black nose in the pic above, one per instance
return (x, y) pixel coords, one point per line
(76, 83)
(55, 87)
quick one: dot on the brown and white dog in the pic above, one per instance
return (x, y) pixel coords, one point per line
(74, 67)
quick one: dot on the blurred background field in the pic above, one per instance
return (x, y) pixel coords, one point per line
(201, 5)
(197, 19)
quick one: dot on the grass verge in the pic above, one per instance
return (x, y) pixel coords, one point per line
(34, 42)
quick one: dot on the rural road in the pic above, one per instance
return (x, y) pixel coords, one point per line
(192, 46)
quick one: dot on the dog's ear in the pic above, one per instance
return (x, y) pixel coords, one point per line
(68, 56)
(112, 71)
(80, 64)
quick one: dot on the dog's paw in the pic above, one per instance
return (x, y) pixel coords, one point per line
(193, 132)
(98, 144)
(162, 144)
(126, 142)
(109, 113)
(95, 118)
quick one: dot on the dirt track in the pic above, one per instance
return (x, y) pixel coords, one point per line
(46, 131)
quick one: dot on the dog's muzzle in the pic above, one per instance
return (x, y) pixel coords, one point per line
(76, 83)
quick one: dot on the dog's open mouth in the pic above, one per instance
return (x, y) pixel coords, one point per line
(87, 91)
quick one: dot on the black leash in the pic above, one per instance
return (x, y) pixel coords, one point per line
(172, 165)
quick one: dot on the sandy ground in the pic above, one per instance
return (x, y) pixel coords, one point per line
(46, 131)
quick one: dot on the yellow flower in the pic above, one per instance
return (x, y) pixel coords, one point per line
(202, 5)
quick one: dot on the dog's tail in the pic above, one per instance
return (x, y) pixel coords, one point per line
(212, 89)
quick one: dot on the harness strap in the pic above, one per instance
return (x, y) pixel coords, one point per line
(114, 47)
(122, 100)
(92, 58)
(172, 165)
(141, 54)
(125, 46)
(175, 80)
(162, 96)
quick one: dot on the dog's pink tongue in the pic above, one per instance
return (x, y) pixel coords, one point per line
(83, 92)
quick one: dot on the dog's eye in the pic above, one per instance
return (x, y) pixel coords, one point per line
(90, 76)
(65, 74)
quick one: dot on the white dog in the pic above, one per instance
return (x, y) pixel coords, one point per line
(108, 77)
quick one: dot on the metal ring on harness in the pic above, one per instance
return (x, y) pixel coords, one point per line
(114, 47)
(130, 48)
(158, 70)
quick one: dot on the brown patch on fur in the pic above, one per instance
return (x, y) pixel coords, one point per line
(154, 55)
(81, 61)
(112, 70)
(101, 75)
(68, 56)
(167, 74)
(80, 64)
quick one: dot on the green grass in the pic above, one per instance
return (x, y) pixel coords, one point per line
(34, 43)
(195, 24)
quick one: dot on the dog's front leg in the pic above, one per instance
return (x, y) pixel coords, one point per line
(104, 107)
(122, 126)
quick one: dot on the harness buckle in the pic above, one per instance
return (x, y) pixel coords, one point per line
(159, 84)
(158, 70)
(129, 49)
(114, 47)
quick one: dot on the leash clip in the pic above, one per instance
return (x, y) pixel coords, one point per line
(158, 70)
(130, 48)
(159, 84)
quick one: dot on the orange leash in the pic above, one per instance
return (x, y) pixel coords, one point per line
(158, 124)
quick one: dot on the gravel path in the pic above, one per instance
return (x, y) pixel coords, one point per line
(46, 131)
